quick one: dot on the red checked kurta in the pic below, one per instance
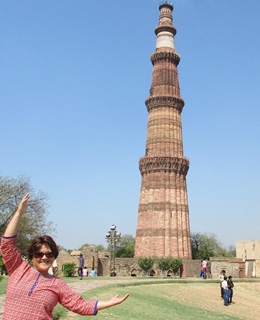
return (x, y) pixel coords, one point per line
(30, 295)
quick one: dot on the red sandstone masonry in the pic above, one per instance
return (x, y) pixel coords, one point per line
(163, 216)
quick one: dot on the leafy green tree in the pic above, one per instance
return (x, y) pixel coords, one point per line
(176, 264)
(146, 264)
(231, 251)
(99, 247)
(67, 250)
(169, 263)
(125, 247)
(69, 269)
(207, 245)
(164, 264)
(34, 221)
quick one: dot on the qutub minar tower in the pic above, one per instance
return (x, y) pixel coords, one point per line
(163, 228)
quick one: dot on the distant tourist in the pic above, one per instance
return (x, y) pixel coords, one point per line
(32, 293)
(209, 275)
(54, 268)
(85, 272)
(204, 266)
(201, 269)
(224, 285)
(81, 264)
(93, 273)
(230, 289)
(221, 279)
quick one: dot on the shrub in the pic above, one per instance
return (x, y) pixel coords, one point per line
(169, 263)
(176, 264)
(69, 269)
(146, 264)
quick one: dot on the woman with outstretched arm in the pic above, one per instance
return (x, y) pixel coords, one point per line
(32, 292)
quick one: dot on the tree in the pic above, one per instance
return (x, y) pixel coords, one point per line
(169, 263)
(99, 247)
(164, 264)
(67, 250)
(34, 221)
(145, 264)
(176, 264)
(125, 247)
(207, 245)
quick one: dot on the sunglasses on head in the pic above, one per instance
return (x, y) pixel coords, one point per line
(41, 254)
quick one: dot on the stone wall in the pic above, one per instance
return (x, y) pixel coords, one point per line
(233, 267)
(64, 257)
(91, 259)
(129, 267)
(100, 262)
(190, 268)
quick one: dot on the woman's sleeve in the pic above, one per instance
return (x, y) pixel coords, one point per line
(74, 301)
(12, 258)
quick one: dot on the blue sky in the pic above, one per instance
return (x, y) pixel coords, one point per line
(73, 82)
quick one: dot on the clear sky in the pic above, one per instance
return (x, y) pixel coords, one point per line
(73, 83)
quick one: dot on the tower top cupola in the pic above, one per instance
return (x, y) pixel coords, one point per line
(165, 31)
(166, 3)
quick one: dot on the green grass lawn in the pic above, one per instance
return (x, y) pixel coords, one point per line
(148, 302)
(3, 285)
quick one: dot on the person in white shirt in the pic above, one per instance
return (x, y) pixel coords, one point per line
(225, 291)
(221, 279)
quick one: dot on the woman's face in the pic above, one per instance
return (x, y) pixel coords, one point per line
(42, 264)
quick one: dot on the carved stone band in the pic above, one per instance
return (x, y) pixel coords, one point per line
(170, 56)
(169, 28)
(164, 101)
(155, 164)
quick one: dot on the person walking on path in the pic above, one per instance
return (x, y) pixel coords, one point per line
(204, 266)
(32, 292)
(81, 264)
(201, 269)
(209, 275)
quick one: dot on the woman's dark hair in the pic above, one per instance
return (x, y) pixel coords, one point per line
(38, 242)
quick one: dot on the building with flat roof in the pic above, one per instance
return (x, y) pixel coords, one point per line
(249, 252)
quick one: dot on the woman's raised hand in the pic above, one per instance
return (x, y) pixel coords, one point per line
(14, 224)
(23, 205)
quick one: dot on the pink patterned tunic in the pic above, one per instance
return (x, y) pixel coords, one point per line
(30, 295)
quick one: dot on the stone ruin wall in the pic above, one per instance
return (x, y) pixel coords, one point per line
(126, 267)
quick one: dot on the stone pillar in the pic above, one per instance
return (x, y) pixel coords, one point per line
(163, 216)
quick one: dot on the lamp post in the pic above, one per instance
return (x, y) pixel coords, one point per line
(112, 236)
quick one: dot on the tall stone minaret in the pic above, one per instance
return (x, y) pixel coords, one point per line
(163, 228)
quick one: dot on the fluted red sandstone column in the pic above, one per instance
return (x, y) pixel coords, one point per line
(163, 217)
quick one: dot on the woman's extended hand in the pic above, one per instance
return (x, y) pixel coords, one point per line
(116, 300)
(112, 302)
